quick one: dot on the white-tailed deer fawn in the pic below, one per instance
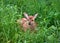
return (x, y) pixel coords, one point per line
(28, 22)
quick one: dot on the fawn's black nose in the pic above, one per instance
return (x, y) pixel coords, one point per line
(29, 23)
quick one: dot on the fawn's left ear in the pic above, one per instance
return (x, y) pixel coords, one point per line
(35, 16)
(26, 15)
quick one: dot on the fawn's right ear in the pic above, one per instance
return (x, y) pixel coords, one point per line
(26, 15)
(35, 16)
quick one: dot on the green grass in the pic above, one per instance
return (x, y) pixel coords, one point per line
(48, 20)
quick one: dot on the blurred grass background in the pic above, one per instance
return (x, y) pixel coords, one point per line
(48, 21)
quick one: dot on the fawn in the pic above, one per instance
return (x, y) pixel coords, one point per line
(28, 22)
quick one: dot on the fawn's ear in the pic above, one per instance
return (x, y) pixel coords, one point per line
(35, 16)
(26, 15)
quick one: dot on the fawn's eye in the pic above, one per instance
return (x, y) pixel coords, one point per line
(32, 20)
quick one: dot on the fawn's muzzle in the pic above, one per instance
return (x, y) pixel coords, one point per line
(29, 23)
